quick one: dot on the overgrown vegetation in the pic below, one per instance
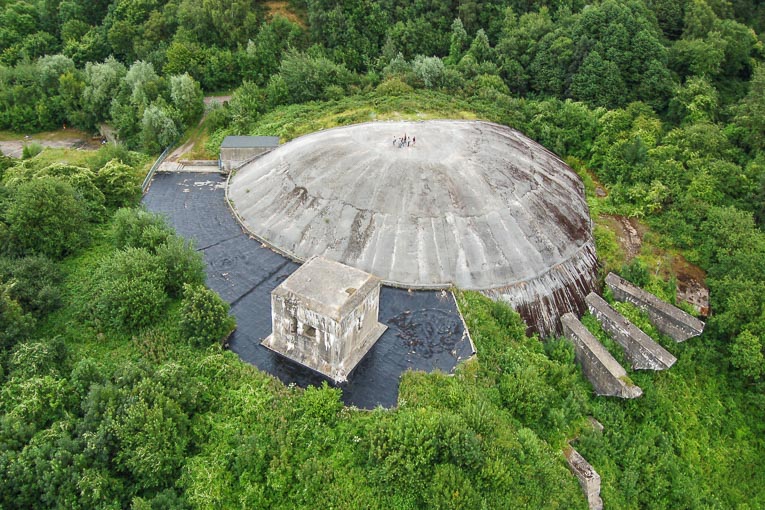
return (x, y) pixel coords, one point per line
(114, 392)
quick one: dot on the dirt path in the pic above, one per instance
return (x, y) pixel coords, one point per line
(78, 140)
(179, 152)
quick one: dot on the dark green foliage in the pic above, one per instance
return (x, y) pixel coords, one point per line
(129, 290)
(119, 183)
(46, 216)
(635, 272)
(308, 77)
(204, 316)
(138, 228)
(184, 265)
(35, 359)
(15, 325)
(88, 426)
(33, 282)
(80, 178)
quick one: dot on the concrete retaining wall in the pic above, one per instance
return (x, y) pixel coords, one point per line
(640, 349)
(588, 478)
(199, 162)
(668, 319)
(607, 376)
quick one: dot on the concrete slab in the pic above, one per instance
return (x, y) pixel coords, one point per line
(425, 330)
(640, 349)
(607, 376)
(667, 318)
(470, 204)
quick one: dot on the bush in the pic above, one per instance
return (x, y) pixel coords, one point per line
(128, 291)
(14, 323)
(46, 216)
(636, 272)
(35, 283)
(184, 265)
(114, 152)
(39, 358)
(31, 150)
(137, 228)
(393, 87)
(204, 316)
(119, 183)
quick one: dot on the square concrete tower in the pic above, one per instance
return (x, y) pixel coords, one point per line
(324, 316)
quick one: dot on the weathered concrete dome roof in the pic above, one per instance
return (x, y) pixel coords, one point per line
(471, 204)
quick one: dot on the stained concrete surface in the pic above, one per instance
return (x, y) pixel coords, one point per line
(425, 331)
(607, 376)
(642, 351)
(667, 318)
(472, 204)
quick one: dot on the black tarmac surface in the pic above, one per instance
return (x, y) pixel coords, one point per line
(425, 331)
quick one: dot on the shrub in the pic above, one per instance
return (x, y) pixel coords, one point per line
(393, 87)
(47, 217)
(636, 272)
(119, 183)
(138, 228)
(14, 323)
(36, 281)
(31, 150)
(39, 358)
(128, 290)
(204, 316)
(182, 263)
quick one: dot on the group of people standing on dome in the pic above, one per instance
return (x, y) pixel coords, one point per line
(404, 141)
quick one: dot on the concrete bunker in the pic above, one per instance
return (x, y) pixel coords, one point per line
(471, 204)
(325, 317)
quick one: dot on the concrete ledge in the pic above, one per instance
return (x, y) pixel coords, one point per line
(668, 319)
(641, 350)
(199, 162)
(603, 371)
(588, 478)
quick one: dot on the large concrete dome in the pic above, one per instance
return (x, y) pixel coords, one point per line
(470, 204)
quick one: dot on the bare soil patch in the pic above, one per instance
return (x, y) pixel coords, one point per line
(629, 233)
(690, 284)
(282, 8)
(61, 139)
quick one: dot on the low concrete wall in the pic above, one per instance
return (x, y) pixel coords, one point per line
(640, 349)
(199, 162)
(588, 478)
(604, 372)
(668, 319)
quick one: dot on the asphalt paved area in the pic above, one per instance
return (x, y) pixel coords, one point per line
(425, 331)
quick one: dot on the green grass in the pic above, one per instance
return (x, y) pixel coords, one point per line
(291, 121)
(57, 135)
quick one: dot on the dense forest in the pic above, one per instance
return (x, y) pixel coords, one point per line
(114, 391)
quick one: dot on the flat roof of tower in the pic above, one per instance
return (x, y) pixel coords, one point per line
(328, 287)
